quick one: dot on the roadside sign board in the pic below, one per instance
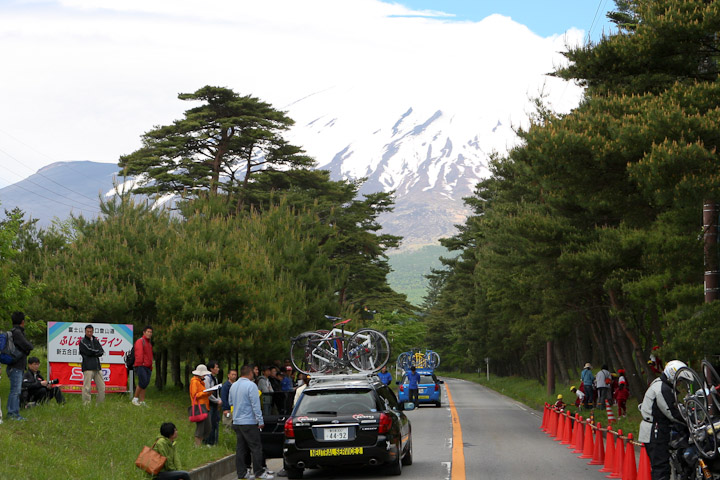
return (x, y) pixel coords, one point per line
(65, 362)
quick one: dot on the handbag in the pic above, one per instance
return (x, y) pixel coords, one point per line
(150, 461)
(197, 412)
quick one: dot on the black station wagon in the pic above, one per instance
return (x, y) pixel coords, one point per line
(347, 420)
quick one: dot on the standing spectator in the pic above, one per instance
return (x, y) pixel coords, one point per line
(215, 403)
(247, 423)
(224, 392)
(256, 373)
(36, 387)
(15, 370)
(603, 381)
(165, 446)
(288, 390)
(266, 389)
(305, 379)
(385, 376)
(143, 364)
(276, 382)
(587, 378)
(413, 380)
(91, 351)
(579, 396)
(621, 375)
(622, 396)
(200, 396)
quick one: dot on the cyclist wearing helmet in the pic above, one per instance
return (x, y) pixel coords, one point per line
(659, 411)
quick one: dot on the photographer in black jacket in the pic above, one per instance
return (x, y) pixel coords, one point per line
(91, 351)
(36, 388)
(16, 369)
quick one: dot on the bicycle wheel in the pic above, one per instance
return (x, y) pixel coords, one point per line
(712, 380)
(368, 350)
(433, 360)
(302, 348)
(702, 429)
(688, 386)
(403, 361)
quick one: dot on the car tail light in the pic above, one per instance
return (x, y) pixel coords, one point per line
(289, 428)
(385, 423)
(402, 388)
(437, 387)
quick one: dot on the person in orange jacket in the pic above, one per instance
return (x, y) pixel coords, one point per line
(199, 396)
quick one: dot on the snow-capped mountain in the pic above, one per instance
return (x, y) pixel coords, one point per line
(430, 155)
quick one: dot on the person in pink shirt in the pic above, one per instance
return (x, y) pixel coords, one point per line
(143, 365)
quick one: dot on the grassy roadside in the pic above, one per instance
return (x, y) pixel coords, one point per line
(534, 395)
(97, 441)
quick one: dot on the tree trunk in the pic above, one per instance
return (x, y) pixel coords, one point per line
(175, 365)
(160, 369)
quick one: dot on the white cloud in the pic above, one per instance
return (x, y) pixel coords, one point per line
(85, 78)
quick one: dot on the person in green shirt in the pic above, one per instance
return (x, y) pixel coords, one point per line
(165, 446)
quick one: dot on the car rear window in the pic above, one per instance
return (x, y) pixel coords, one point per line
(335, 402)
(423, 379)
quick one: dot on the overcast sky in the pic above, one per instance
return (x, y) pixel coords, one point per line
(83, 79)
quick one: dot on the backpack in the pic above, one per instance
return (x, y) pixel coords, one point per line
(8, 352)
(129, 358)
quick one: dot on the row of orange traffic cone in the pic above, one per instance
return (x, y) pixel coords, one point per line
(617, 458)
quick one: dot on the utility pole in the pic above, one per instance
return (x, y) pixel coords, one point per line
(710, 236)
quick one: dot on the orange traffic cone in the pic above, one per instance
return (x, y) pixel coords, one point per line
(543, 425)
(609, 411)
(553, 422)
(567, 434)
(588, 442)
(644, 469)
(579, 434)
(599, 452)
(630, 467)
(619, 457)
(560, 427)
(609, 452)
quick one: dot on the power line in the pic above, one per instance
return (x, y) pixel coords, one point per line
(94, 206)
(53, 200)
(602, 4)
(39, 173)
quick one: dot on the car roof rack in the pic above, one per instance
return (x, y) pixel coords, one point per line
(319, 378)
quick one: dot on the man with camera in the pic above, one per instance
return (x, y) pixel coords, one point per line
(36, 388)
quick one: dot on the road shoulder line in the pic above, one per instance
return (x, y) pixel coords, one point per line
(458, 454)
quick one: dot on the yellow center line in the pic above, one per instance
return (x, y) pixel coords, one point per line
(458, 454)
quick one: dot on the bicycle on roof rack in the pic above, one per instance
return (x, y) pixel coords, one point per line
(338, 350)
(415, 358)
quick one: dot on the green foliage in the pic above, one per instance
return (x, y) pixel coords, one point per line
(218, 146)
(404, 332)
(14, 294)
(587, 233)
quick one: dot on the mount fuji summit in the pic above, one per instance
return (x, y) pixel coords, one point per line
(431, 157)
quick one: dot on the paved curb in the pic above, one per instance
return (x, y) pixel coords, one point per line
(215, 470)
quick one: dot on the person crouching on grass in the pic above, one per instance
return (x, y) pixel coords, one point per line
(199, 396)
(37, 389)
(165, 446)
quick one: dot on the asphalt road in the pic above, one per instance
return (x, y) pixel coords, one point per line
(501, 440)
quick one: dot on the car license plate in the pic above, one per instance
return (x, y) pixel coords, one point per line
(335, 433)
(424, 397)
(335, 452)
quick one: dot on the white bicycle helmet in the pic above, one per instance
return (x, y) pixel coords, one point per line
(671, 369)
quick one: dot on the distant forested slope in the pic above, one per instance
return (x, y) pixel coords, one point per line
(410, 268)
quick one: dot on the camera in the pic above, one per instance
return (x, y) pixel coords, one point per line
(52, 382)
